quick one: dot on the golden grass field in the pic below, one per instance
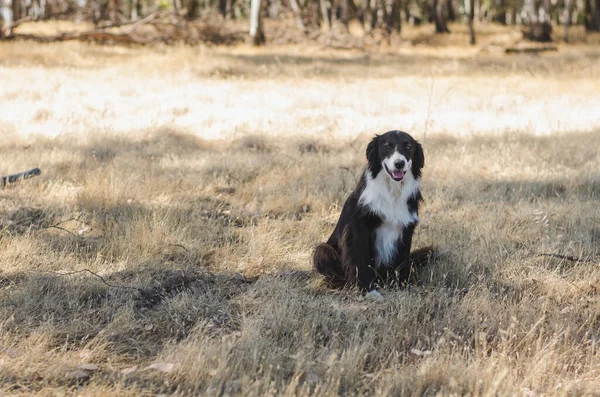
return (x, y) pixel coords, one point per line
(165, 249)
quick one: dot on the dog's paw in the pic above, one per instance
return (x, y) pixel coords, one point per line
(374, 294)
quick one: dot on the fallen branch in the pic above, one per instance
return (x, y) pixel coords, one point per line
(59, 227)
(100, 34)
(97, 35)
(180, 246)
(140, 22)
(95, 275)
(530, 50)
(567, 257)
(108, 25)
(5, 180)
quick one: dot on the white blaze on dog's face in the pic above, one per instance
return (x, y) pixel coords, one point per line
(395, 153)
(396, 166)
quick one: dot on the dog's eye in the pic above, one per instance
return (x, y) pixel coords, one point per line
(408, 146)
(387, 145)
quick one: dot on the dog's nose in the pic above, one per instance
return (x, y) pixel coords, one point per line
(400, 164)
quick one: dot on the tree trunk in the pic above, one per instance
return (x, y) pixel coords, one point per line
(16, 10)
(112, 11)
(546, 7)
(343, 12)
(367, 16)
(257, 34)
(471, 17)
(588, 18)
(440, 16)
(451, 13)
(568, 15)
(374, 12)
(597, 15)
(531, 7)
(500, 15)
(297, 15)
(228, 9)
(134, 9)
(192, 10)
(379, 11)
(6, 18)
(538, 30)
(222, 7)
(513, 12)
(393, 20)
(325, 14)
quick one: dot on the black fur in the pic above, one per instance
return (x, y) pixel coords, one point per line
(348, 257)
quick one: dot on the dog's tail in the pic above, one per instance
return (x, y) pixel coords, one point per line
(327, 261)
(426, 255)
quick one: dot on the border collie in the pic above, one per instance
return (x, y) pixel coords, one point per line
(372, 240)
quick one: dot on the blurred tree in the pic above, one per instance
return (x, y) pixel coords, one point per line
(568, 15)
(592, 15)
(500, 14)
(394, 20)
(539, 27)
(311, 16)
(297, 14)
(441, 16)
(471, 15)
(257, 34)
(192, 11)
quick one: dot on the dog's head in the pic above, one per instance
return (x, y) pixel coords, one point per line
(395, 153)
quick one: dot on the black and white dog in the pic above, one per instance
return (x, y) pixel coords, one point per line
(372, 240)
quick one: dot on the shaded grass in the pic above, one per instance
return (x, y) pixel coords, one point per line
(206, 249)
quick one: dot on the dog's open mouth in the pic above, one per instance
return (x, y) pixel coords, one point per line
(396, 175)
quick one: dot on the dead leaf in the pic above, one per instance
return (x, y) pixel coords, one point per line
(10, 352)
(129, 370)
(162, 367)
(78, 374)
(421, 353)
(88, 367)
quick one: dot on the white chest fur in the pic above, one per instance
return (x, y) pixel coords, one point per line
(389, 200)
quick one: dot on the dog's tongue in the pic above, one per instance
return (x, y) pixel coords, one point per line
(397, 174)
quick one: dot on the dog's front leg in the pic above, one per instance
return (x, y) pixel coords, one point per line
(402, 263)
(357, 256)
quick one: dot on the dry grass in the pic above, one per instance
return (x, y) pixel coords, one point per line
(203, 245)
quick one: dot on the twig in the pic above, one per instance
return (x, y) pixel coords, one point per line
(567, 257)
(19, 176)
(289, 157)
(140, 22)
(430, 97)
(180, 246)
(57, 226)
(95, 275)
(17, 23)
(108, 25)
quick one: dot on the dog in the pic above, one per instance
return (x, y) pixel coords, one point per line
(371, 242)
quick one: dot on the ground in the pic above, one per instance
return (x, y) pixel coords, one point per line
(165, 249)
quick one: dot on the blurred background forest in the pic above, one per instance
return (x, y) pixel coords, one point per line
(342, 21)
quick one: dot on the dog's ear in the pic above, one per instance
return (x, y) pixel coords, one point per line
(372, 151)
(418, 161)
